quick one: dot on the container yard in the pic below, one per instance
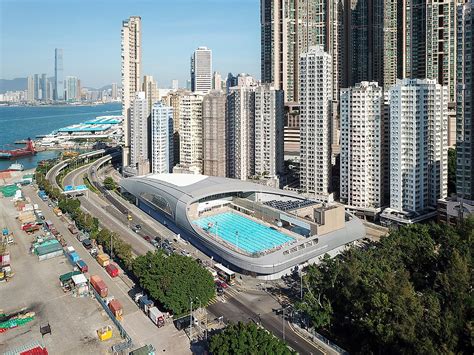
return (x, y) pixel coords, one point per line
(43, 289)
(63, 295)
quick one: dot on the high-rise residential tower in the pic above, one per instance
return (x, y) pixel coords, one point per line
(114, 91)
(269, 115)
(190, 132)
(139, 112)
(361, 146)
(201, 70)
(71, 89)
(174, 84)
(315, 115)
(288, 29)
(150, 88)
(30, 93)
(216, 81)
(418, 145)
(44, 86)
(214, 133)
(428, 46)
(465, 102)
(58, 75)
(370, 41)
(37, 86)
(161, 138)
(241, 132)
(131, 73)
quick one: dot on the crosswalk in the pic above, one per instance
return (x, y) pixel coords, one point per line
(228, 294)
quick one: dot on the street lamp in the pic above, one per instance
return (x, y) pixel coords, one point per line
(191, 321)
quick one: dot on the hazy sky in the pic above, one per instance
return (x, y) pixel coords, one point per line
(89, 33)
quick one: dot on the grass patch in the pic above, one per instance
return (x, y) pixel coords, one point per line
(89, 184)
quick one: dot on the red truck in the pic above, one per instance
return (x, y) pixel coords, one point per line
(99, 286)
(112, 270)
(30, 227)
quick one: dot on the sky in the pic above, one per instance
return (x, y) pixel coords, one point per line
(89, 33)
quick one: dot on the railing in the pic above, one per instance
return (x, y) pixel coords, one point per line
(314, 334)
(123, 333)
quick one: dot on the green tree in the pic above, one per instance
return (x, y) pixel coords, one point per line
(451, 171)
(109, 183)
(409, 293)
(174, 281)
(247, 338)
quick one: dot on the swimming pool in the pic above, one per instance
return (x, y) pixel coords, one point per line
(243, 232)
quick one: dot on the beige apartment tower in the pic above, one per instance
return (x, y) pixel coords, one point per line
(214, 134)
(131, 73)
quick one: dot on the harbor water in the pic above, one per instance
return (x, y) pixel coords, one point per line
(21, 122)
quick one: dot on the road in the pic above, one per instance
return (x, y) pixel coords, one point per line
(257, 306)
(237, 305)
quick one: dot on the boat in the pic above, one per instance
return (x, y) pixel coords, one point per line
(21, 152)
(16, 167)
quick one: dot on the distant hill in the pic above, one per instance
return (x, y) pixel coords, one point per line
(22, 84)
(13, 84)
(106, 87)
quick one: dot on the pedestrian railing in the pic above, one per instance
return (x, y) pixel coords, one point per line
(123, 333)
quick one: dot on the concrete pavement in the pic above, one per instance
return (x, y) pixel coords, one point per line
(136, 323)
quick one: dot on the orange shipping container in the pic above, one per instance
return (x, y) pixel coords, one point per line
(99, 286)
(115, 307)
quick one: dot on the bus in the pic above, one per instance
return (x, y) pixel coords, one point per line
(225, 273)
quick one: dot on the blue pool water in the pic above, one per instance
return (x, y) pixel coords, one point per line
(252, 236)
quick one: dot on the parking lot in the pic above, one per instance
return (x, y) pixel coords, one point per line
(35, 286)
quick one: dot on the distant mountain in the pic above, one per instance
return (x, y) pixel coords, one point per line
(106, 87)
(13, 84)
(22, 84)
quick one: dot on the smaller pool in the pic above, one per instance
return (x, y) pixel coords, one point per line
(242, 232)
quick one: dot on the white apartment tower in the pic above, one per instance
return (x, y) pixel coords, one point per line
(315, 117)
(161, 138)
(269, 117)
(131, 72)
(139, 112)
(241, 132)
(418, 144)
(190, 131)
(361, 116)
(201, 70)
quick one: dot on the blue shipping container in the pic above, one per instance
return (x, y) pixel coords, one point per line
(73, 258)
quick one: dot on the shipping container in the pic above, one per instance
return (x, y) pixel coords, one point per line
(73, 257)
(145, 303)
(65, 278)
(116, 308)
(156, 317)
(103, 260)
(99, 285)
(112, 270)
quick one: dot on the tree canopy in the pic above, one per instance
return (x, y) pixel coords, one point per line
(174, 281)
(409, 293)
(247, 338)
(109, 183)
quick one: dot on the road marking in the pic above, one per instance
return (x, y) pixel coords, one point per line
(317, 346)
